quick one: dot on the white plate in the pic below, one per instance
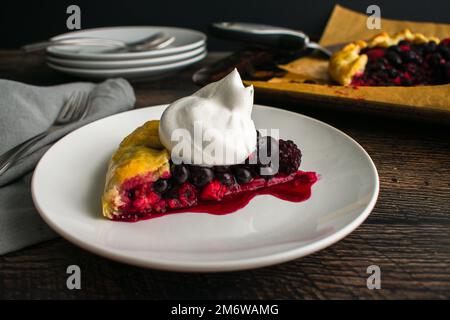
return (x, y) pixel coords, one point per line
(68, 183)
(185, 40)
(128, 72)
(118, 64)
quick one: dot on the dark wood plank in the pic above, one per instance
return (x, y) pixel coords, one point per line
(407, 234)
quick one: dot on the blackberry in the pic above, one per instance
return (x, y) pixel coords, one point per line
(290, 156)
(394, 58)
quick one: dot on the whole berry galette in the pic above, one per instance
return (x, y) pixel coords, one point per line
(151, 175)
(404, 59)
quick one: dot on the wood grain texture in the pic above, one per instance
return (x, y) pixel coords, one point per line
(407, 234)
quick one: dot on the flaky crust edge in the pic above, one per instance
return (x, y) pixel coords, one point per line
(348, 62)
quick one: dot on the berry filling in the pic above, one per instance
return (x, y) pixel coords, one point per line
(219, 189)
(406, 64)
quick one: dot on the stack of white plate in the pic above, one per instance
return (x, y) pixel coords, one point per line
(188, 47)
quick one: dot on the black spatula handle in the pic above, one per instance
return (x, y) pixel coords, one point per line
(261, 34)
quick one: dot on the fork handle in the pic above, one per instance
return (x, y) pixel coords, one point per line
(74, 41)
(8, 158)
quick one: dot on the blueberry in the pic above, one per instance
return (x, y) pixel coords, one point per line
(383, 61)
(430, 47)
(172, 193)
(381, 75)
(394, 58)
(445, 52)
(447, 71)
(436, 59)
(411, 56)
(267, 172)
(419, 60)
(406, 82)
(221, 169)
(378, 66)
(161, 186)
(412, 68)
(404, 43)
(395, 49)
(180, 173)
(252, 158)
(200, 176)
(243, 175)
(130, 194)
(393, 73)
(419, 48)
(225, 178)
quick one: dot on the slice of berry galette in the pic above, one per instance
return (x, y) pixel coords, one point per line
(404, 59)
(148, 176)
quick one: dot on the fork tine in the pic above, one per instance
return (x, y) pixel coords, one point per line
(66, 106)
(74, 107)
(76, 114)
(86, 108)
(81, 108)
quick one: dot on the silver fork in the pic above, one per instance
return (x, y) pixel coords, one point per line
(76, 108)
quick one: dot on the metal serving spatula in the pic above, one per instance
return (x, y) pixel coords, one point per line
(266, 35)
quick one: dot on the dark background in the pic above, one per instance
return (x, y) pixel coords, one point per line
(26, 21)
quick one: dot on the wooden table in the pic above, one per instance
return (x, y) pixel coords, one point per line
(407, 234)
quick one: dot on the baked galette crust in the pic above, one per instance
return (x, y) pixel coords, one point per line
(349, 61)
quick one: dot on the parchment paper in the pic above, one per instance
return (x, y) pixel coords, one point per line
(345, 26)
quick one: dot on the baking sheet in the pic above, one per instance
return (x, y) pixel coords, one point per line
(345, 26)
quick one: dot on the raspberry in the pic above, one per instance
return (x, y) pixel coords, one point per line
(173, 203)
(405, 47)
(445, 42)
(290, 156)
(375, 54)
(213, 191)
(145, 202)
(160, 206)
(187, 194)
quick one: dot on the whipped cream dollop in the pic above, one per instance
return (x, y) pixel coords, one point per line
(213, 126)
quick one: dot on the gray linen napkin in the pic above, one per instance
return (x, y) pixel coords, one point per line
(24, 112)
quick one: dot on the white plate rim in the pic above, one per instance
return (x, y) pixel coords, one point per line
(134, 55)
(107, 72)
(225, 266)
(123, 64)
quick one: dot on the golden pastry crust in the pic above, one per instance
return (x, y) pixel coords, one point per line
(348, 62)
(140, 154)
